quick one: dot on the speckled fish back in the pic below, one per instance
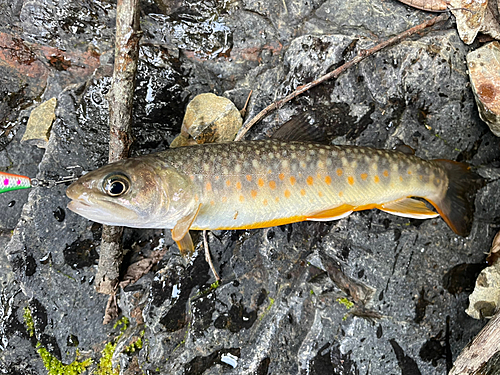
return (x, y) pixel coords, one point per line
(266, 183)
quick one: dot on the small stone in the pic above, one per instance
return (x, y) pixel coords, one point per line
(484, 73)
(39, 124)
(209, 119)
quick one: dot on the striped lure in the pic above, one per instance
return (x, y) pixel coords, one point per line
(9, 182)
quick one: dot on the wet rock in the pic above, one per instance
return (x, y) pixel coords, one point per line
(208, 119)
(39, 124)
(484, 72)
(276, 310)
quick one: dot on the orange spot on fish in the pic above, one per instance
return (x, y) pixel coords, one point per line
(341, 193)
(287, 193)
(208, 186)
(260, 182)
(272, 185)
(281, 176)
(241, 198)
(277, 199)
(328, 180)
(292, 180)
(386, 173)
(191, 176)
(421, 177)
(238, 185)
(376, 179)
(409, 172)
(212, 203)
(339, 172)
(302, 192)
(228, 182)
(196, 197)
(401, 178)
(249, 177)
(224, 199)
(216, 178)
(253, 193)
(364, 176)
(264, 202)
(320, 193)
(350, 179)
(310, 180)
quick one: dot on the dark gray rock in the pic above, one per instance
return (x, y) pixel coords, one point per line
(277, 309)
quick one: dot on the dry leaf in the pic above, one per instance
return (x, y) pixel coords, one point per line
(470, 16)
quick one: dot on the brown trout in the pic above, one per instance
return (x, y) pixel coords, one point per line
(257, 184)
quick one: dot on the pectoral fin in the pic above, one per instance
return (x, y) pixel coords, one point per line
(180, 233)
(408, 207)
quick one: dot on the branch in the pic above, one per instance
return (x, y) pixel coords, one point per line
(120, 119)
(335, 73)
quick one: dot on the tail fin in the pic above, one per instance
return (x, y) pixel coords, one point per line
(456, 207)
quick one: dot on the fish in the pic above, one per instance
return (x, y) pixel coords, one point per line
(265, 183)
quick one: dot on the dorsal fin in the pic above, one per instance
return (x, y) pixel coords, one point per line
(405, 149)
(299, 128)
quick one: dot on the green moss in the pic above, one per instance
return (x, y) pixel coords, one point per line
(56, 367)
(105, 366)
(28, 320)
(215, 285)
(344, 301)
(136, 345)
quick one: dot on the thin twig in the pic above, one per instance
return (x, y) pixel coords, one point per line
(120, 120)
(335, 73)
(208, 258)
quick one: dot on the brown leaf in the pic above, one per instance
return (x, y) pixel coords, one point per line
(469, 15)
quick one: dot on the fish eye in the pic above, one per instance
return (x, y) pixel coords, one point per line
(116, 185)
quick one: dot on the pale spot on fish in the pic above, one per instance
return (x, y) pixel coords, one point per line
(237, 168)
(302, 164)
(344, 161)
(320, 164)
(329, 162)
(284, 164)
(255, 163)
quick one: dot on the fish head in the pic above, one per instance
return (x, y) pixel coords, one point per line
(142, 192)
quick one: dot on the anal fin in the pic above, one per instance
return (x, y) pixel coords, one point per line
(331, 213)
(408, 207)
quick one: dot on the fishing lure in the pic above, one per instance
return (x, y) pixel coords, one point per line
(9, 182)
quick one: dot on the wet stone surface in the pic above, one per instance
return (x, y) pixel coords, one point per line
(277, 309)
